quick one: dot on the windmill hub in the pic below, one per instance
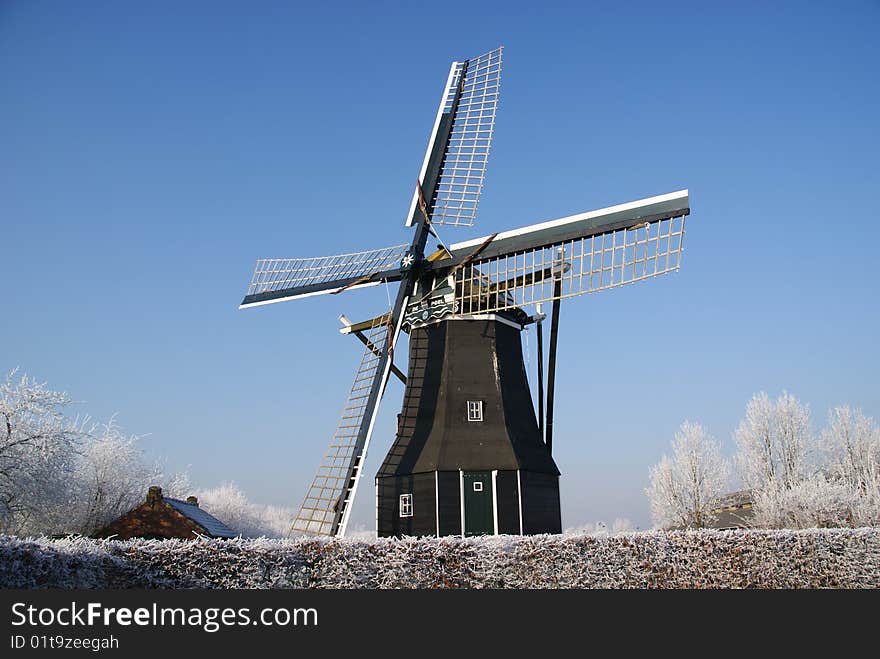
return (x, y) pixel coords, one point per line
(410, 261)
(471, 455)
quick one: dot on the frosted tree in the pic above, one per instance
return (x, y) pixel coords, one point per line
(755, 459)
(851, 442)
(774, 442)
(230, 505)
(59, 475)
(37, 452)
(685, 488)
(794, 439)
(111, 476)
(793, 483)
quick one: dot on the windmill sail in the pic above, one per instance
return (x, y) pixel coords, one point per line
(586, 253)
(275, 280)
(326, 507)
(472, 115)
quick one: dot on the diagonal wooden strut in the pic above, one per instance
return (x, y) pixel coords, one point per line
(352, 284)
(423, 206)
(377, 351)
(474, 254)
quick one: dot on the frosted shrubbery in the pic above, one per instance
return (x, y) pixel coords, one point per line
(230, 505)
(620, 525)
(795, 478)
(818, 558)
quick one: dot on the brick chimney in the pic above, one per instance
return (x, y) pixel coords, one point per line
(154, 495)
(191, 499)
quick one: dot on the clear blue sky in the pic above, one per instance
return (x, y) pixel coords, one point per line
(150, 152)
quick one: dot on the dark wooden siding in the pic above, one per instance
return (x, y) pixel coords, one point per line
(426, 351)
(521, 424)
(507, 497)
(452, 363)
(450, 502)
(423, 520)
(386, 506)
(540, 503)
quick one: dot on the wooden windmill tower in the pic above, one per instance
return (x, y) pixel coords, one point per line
(470, 456)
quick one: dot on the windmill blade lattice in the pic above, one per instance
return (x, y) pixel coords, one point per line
(327, 502)
(586, 264)
(473, 122)
(275, 280)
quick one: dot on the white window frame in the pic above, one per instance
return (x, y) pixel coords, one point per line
(405, 505)
(478, 489)
(475, 410)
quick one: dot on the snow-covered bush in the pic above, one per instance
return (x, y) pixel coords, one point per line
(620, 525)
(813, 502)
(815, 558)
(230, 505)
(851, 444)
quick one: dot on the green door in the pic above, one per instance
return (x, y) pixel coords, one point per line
(479, 518)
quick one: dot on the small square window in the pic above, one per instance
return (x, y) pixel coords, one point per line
(475, 410)
(478, 486)
(406, 507)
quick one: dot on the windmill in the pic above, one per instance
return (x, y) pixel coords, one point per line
(470, 455)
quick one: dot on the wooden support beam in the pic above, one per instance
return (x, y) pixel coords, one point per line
(551, 361)
(375, 350)
(540, 326)
(367, 324)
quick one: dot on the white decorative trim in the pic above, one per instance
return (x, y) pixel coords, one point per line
(461, 491)
(296, 297)
(533, 228)
(495, 499)
(519, 498)
(415, 199)
(489, 316)
(477, 316)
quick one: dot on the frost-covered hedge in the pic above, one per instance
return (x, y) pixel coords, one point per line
(826, 558)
